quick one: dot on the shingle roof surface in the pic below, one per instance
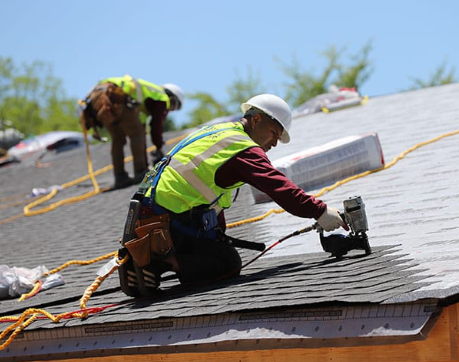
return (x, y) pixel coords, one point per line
(412, 210)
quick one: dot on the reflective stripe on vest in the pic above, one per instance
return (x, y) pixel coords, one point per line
(189, 179)
(154, 91)
(140, 89)
(126, 83)
(186, 170)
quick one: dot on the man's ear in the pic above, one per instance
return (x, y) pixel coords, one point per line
(256, 119)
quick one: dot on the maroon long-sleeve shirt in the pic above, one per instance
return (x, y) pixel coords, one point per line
(253, 167)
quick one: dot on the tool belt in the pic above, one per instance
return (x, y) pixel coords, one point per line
(203, 223)
(104, 105)
(152, 240)
(197, 223)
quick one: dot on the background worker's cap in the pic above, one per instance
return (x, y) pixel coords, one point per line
(176, 91)
(276, 108)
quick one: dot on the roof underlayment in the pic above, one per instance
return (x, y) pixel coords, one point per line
(295, 294)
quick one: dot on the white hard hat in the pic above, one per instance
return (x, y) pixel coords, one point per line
(176, 91)
(276, 108)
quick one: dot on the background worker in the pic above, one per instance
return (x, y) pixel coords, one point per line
(196, 186)
(122, 106)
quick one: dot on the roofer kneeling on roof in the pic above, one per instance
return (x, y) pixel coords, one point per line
(181, 220)
(122, 105)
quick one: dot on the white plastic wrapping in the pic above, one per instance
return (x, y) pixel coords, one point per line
(336, 98)
(16, 281)
(334, 161)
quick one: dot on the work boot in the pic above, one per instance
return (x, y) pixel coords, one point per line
(122, 180)
(149, 280)
(149, 276)
(128, 276)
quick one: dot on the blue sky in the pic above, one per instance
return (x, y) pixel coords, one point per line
(203, 45)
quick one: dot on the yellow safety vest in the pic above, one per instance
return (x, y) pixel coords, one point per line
(140, 90)
(189, 179)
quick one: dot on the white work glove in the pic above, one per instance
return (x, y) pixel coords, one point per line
(331, 220)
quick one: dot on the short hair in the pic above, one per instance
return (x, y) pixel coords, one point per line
(251, 112)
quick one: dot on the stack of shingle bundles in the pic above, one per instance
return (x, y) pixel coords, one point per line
(334, 161)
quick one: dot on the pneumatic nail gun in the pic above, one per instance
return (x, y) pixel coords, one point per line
(357, 239)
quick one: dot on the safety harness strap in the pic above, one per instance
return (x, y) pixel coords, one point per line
(186, 170)
(152, 178)
(209, 226)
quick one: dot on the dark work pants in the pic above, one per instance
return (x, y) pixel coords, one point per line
(128, 125)
(202, 260)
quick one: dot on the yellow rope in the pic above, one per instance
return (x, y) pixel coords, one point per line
(27, 208)
(342, 182)
(20, 323)
(36, 288)
(63, 266)
(83, 262)
(17, 327)
(99, 280)
(91, 174)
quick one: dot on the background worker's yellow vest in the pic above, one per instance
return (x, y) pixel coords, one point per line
(189, 179)
(140, 90)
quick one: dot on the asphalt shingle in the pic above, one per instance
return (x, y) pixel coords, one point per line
(411, 208)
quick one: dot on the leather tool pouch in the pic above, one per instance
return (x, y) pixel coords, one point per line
(106, 102)
(153, 240)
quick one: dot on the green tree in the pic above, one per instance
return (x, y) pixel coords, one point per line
(440, 76)
(6, 70)
(358, 72)
(242, 89)
(239, 91)
(33, 99)
(304, 85)
(207, 109)
(169, 125)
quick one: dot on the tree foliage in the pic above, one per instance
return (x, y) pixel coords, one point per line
(242, 89)
(358, 72)
(239, 91)
(208, 108)
(440, 76)
(33, 99)
(169, 125)
(301, 86)
(304, 85)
